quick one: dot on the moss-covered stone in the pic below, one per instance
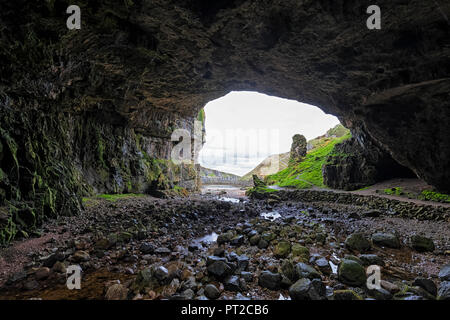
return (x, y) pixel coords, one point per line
(282, 249)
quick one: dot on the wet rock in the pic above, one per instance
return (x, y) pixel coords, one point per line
(300, 251)
(116, 292)
(59, 267)
(254, 240)
(388, 240)
(188, 294)
(304, 289)
(225, 237)
(427, 284)
(172, 288)
(102, 244)
(242, 263)
(189, 283)
(346, 295)
(306, 271)
(42, 273)
(263, 244)
(282, 249)
(31, 285)
(444, 274)
(247, 276)
(211, 291)
(161, 273)
(288, 270)
(422, 244)
(351, 273)
(353, 258)
(219, 252)
(357, 242)
(147, 248)
(323, 265)
(270, 280)
(444, 291)
(232, 283)
(380, 294)
(81, 256)
(391, 287)
(237, 241)
(220, 269)
(144, 279)
(371, 259)
(52, 259)
(268, 236)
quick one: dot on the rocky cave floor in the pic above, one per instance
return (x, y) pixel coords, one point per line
(201, 247)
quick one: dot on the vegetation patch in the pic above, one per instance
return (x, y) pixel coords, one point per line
(307, 173)
(429, 195)
(115, 197)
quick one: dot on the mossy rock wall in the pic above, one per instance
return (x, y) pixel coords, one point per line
(48, 162)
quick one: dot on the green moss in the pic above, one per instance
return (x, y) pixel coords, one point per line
(397, 191)
(115, 197)
(307, 173)
(434, 196)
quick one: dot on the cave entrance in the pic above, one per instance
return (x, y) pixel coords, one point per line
(245, 129)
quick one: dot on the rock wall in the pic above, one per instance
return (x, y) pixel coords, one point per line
(73, 102)
(355, 164)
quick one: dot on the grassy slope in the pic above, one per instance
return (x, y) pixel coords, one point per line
(307, 173)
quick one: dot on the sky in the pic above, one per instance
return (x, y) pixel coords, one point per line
(243, 128)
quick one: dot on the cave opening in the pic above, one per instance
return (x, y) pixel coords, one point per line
(245, 129)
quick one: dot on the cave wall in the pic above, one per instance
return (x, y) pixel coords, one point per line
(145, 67)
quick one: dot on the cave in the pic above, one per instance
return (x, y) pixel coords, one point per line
(87, 116)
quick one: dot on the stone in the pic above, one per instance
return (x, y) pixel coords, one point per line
(300, 251)
(323, 265)
(270, 280)
(237, 241)
(42, 273)
(144, 279)
(357, 242)
(211, 292)
(242, 263)
(391, 287)
(59, 267)
(288, 270)
(219, 269)
(422, 244)
(380, 294)
(31, 285)
(444, 291)
(53, 258)
(298, 149)
(247, 276)
(263, 244)
(254, 240)
(351, 273)
(225, 237)
(427, 284)
(372, 213)
(299, 290)
(371, 259)
(346, 295)
(444, 274)
(161, 273)
(282, 249)
(188, 294)
(388, 240)
(81, 256)
(232, 283)
(116, 292)
(304, 270)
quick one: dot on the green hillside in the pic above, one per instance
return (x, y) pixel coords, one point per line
(308, 173)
